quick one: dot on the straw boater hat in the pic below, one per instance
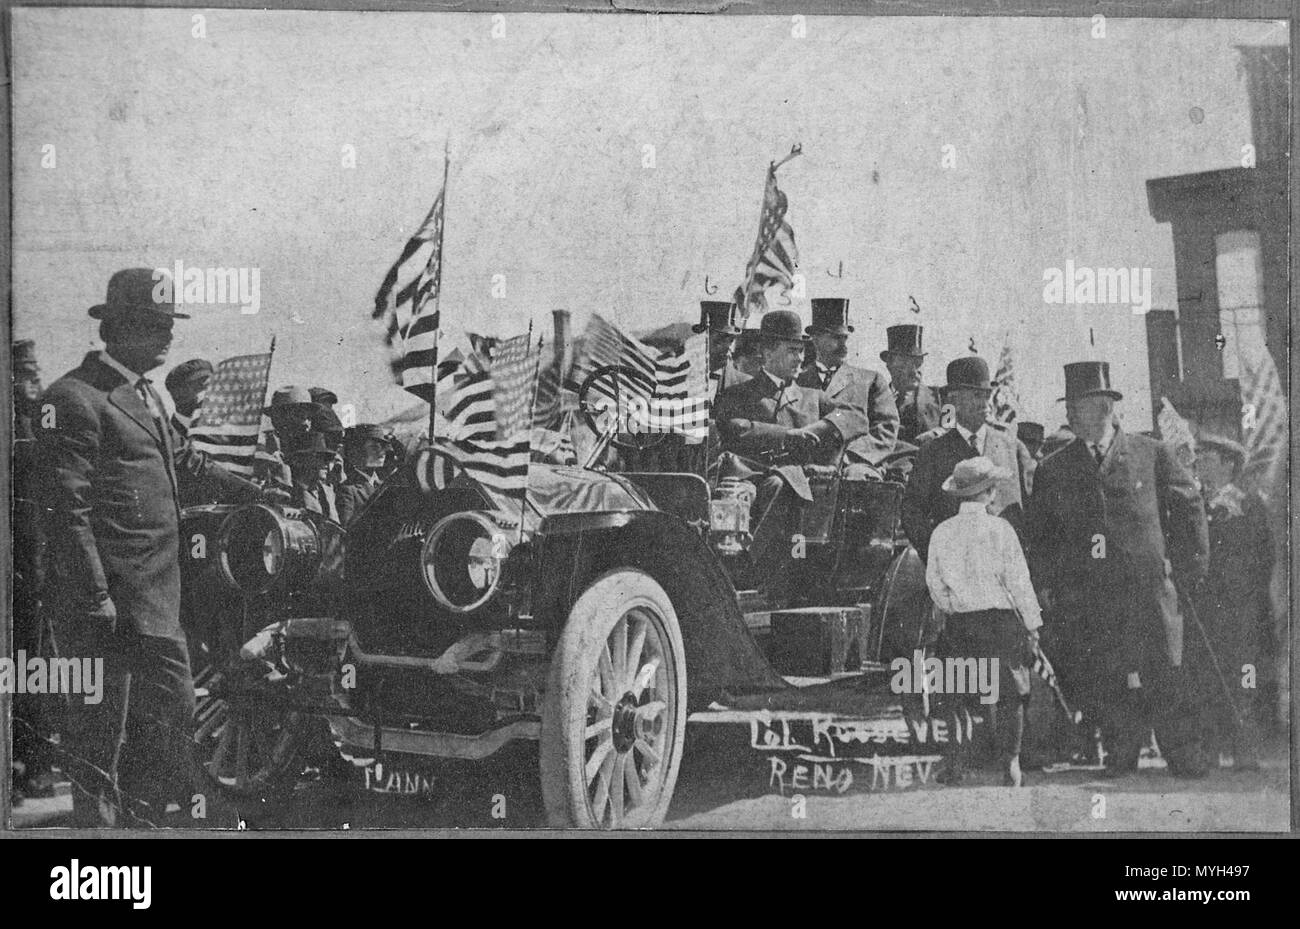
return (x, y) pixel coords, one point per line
(292, 398)
(974, 475)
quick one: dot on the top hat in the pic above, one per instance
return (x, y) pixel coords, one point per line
(903, 340)
(287, 398)
(324, 395)
(311, 443)
(973, 475)
(971, 372)
(134, 291)
(717, 316)
(363, 431)
(1224, 446)
(1029, 432)
(187, 371)
(24, 357)
(830, 315)
(1089, 379)
(782, 324)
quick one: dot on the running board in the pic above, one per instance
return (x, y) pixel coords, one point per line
(357, 735)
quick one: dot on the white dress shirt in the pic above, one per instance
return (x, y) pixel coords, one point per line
(1102, 446)
(148, 396)
(975, 563)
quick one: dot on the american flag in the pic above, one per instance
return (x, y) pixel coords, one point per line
(775, 254)
(407, 302)
(670, 387)
(229, 419)
(1264, 423)
(486, 389)
(1005, 400)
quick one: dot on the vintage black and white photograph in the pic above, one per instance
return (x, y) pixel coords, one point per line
(513, 420)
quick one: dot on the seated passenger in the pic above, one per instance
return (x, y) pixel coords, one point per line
(770, 428)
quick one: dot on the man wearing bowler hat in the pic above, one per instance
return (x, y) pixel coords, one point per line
(771, 427)
(1113, 522)
(925, 505)
(861, 388)
(918, 407)
(110, 466)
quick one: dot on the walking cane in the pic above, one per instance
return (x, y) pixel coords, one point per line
(1239, 724)
(1043, 668)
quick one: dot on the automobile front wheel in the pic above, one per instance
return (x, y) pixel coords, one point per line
(614, 714)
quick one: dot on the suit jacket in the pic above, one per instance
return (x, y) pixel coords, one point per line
(918, 412)
(108, 485)
(1145, 507)
(868, 392)
(754, 416)
(353, 494)
(925, 504)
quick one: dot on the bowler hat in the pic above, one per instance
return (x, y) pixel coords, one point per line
(782, 324)
(1089, 379)
(187, 371)
(24, 356)
(717, 316)
(830, 315)
(311, 443)
(903, 340)
(287, 398)
(136, 292)
(324, 395)
(1224, 446)
(973, 475)
(971, 372)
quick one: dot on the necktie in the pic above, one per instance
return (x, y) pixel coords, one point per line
(151, 403)
(827, 374)
(975, 443)
(1098, 454)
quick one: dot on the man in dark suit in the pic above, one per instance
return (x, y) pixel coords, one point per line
(860, 388)
(925, 504)
(918, 406)
(109, 465)
(1113, 521)
(770, 429)
(365, 450)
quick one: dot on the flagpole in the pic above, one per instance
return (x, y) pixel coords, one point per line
(437, 300)
(532, 405)
(795, 151)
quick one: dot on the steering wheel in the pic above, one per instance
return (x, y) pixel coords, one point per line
(603, 401)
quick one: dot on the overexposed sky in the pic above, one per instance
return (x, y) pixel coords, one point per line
(229, 151)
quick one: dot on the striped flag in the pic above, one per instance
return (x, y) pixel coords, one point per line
(229, 420)
(657, 391)
(489, 421)
(775, 254)
(407, 302)
(1005, 400)
(1264, 423)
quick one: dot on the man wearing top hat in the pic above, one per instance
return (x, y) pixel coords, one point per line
(1113, 522)
(1233, 602)
(109, 471)
(861, 388)
(771, 427)
(718, 318)
(918, 407)
(925, 505)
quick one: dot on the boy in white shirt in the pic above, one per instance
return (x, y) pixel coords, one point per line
(977, 575)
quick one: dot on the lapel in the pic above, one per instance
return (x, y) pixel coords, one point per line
(839, 380)
(124, 397)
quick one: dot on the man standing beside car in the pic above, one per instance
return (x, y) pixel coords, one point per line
(109, 465)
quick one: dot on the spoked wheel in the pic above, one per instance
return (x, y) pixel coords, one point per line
(243, 743)
(614, 717)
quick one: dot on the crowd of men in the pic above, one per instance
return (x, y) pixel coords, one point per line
(1113, 525)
